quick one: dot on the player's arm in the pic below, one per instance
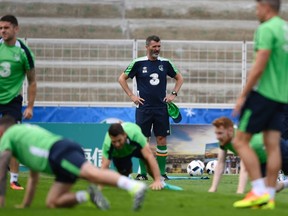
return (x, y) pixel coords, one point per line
(105, 163)
(30, 189)
(123, 82)
(243, 177)
(5, 157)
(178, 84)
(219, 169)
(31, 89)
(152, 167)
(262, 57)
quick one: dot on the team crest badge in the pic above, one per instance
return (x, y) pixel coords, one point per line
(160, 67)
(16, 57)
(144, 70)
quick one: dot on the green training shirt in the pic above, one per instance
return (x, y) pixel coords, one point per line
(273, 35)
(256, 143)
(14, 62)
(30, 144)
(135, 138)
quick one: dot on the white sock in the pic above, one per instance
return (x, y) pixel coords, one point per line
(82, 196)
(13, 177)
(285, 182)
(126, 183)
(271, 191)
(258, 187)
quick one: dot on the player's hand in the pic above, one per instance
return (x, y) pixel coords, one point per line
(20, 206)
(212, 190)
(238, 106)
(169, 98)
(156, 185)
(137, 100)
(28, 113)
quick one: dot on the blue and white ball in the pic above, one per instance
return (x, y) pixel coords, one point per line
(210, 167)
(194, 168)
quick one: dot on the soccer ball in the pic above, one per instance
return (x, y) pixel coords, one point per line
(281, 176)
(201, 163)
(194, 168)
(210, 167)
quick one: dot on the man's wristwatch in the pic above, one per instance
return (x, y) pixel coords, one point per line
(174, 93)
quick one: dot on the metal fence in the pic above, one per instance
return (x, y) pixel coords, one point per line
(85, 72)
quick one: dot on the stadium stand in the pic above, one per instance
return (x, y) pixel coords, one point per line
(78, 62)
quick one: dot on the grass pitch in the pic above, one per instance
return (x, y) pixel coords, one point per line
(193, 200)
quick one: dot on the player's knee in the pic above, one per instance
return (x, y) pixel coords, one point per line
(50, 204)
(125, 172)
(161, 140)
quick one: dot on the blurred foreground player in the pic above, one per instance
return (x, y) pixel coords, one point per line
(45, 152)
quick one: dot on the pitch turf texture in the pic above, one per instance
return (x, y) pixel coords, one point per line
(193, 200)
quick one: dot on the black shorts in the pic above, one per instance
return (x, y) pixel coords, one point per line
(260, 113)
(284, 155)
(13, 108)
(66, 158)
(153, 119)
(124, 164)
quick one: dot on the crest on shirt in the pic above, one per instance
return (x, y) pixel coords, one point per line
(144, 70)
(16, 57)
(160, 67)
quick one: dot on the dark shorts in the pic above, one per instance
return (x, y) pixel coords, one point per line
(284, 155)
(153, 119)
(259, 114)
(124, 164)
(13, 108)
(66, 158)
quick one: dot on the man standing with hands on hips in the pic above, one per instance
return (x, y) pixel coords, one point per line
(151, 73)
(16, 62)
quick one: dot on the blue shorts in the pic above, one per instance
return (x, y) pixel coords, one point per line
(13, 108)
(124, 164)
(66, 158)
(260, 113)
(153, 119)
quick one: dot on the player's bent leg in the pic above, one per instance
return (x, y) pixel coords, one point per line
(98, 176)
(59, 196)
(14, 172)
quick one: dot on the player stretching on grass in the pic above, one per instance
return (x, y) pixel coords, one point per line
(261, 102)
(124, 141)
(43, 151)
(225, 131)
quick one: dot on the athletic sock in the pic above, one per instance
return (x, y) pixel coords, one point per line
(126, 183)
(161, 153)
(285, 182)
(82, 196)
(258, 187)
(271, 191)
(13, 177)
